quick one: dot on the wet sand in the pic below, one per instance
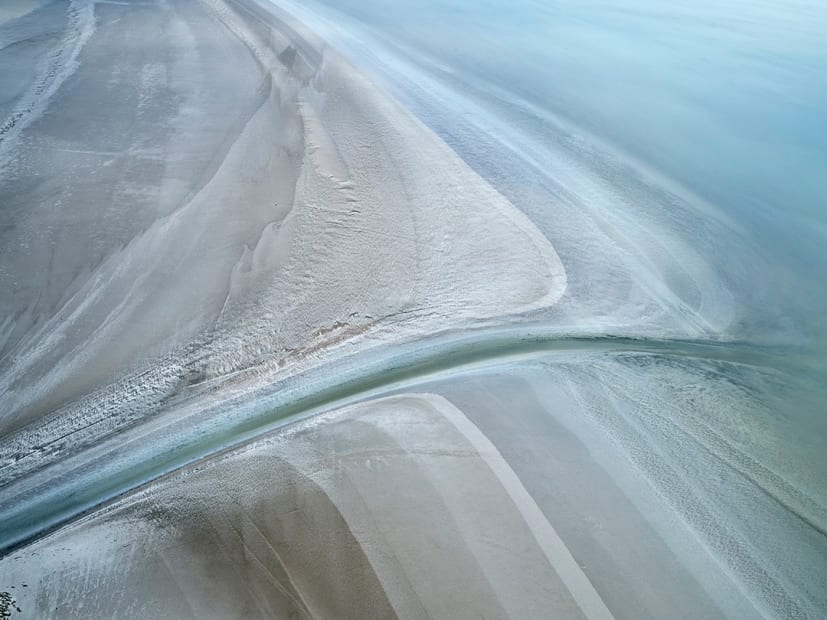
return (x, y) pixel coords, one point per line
(395, 508)
(212, 223)
(241, 201)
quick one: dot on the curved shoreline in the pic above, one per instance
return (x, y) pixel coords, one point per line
(316, 246)
(202, 434)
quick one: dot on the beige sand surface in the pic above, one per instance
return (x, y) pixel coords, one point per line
(398, 507)
(277, 207)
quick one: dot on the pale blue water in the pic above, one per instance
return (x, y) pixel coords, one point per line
(725, 99)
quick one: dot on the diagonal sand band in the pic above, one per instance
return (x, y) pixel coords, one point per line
(394, 507)
(552, 545)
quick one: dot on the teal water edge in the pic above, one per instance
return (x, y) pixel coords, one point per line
(35, 505)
